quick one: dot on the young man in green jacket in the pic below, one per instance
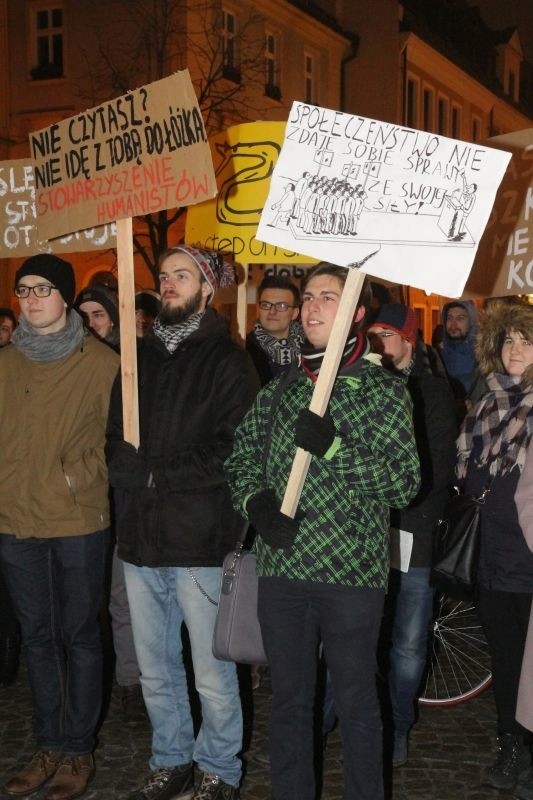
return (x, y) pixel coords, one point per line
(323, 574)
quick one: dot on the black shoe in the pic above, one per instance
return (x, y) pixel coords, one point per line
(513, 760)
(9, 659)
(212, 787)
(166, 784)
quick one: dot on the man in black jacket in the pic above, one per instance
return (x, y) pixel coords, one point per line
(410, 596)
(177, 523)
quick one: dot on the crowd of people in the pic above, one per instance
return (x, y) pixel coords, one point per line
(219, 427)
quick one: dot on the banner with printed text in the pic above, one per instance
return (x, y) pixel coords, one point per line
(244, 157)
(18, 219)
(344, 186)
(136, 154)
(504, 260)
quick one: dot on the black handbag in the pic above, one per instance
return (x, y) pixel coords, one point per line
(456, 546)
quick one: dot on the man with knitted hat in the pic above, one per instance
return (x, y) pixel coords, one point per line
(55, 384)
(410, 597)
(177, 523)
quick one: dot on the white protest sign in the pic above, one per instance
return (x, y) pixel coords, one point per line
(19, 235)
(343, 184)
(137, 154)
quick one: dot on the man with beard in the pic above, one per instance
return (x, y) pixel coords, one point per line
(177, 523)
(459, 319)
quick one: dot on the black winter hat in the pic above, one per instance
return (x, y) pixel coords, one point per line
(53, 269)
(149, 301)
(7, 312)
(100, 294)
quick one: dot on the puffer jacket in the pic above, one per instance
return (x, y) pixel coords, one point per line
(53, 476)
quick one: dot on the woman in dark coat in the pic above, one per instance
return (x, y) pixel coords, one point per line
(492, 449)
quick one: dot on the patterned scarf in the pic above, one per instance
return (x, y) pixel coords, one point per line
(503, 420)
(356, 346)
(280, 351)
(173, 335)
(49, 346)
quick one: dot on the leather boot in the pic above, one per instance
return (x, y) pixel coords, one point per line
(72, 777)
(9, 658)
(42, 766)
(513, 761)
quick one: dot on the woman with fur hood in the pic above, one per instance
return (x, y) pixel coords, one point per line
(492, 450)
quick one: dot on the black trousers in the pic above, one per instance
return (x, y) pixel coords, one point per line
(295, 616)
(505, 620)
(8, 621)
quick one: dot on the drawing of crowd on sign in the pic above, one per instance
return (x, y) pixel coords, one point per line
(344, 182)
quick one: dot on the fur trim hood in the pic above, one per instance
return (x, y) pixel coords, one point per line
(493, 324)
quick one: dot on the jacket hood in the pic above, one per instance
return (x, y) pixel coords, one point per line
(494, 323)
(471, 309)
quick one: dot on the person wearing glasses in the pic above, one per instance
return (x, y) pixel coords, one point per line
(55, 385)
(275, 341)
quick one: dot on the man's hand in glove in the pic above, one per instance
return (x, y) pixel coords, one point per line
(276, 529)
(314, 433)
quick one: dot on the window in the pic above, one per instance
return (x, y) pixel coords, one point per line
(442, 116)
(309, 79)
(230, 62)
(456, 122)
(47, 43)
(272, 88)
(428, 99)
(412, 103)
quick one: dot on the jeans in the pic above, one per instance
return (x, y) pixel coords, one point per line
(126, 666)
(294, 617)
(412, 607)
(56, 586)
(161, 599)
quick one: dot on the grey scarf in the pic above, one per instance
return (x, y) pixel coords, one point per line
(49, 346)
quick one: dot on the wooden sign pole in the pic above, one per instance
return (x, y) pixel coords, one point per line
(326, 378)
(128, 337)
(242, 303)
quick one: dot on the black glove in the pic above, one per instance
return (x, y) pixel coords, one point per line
(313, 432)
(276, 529)
(127, 469)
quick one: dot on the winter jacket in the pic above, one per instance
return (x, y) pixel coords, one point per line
(524, 505)
(343, 537)
(53, 476)
(176, 507)
(435, 433)
(505, 562)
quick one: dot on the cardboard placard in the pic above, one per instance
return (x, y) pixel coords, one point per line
(136, 154)
(18, 219)
(504, 260)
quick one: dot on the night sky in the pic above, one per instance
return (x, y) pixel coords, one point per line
(504, 13)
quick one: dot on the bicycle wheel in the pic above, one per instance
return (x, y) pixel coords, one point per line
(459, 664)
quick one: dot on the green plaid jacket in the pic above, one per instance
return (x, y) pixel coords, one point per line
(343, 536)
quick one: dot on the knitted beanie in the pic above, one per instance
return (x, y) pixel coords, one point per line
(100, 294)
(53, 269)
(398, 318)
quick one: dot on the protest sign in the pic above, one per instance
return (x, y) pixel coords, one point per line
(18, 219)
(344, 184)
(504, 260)
(243, 157)
(136, 154)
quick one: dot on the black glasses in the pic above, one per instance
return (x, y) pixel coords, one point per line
(41, 290)
(266, 306)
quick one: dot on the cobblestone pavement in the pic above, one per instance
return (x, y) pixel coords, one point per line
(449, 749)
